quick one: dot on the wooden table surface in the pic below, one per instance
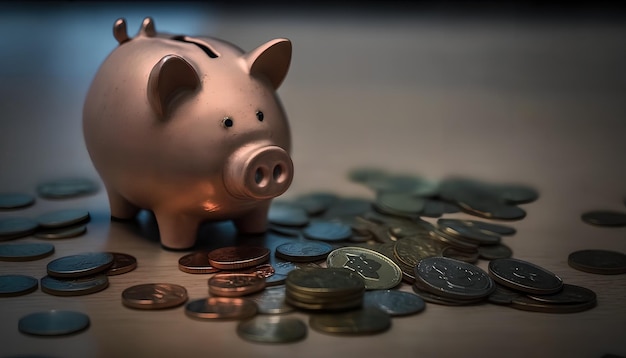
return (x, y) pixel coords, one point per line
(500, 99)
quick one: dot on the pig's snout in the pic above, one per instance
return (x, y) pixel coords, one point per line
(258, 172)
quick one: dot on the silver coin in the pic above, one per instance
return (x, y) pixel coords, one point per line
(605, 218)
(493, 252)
(17, 285)
(326, 230)
(440, 300)
(526, 303)
(368, 320)
(61, 233)
(62, 218)
(66, 188)
(490, 208)
(80, 265)
(25, 252)
(603, 262)
(524, 276)
(453, 278)
(377, 270)
(460, 230)
(394, 303)
(498, 229)
(16, 227)
(287, 214)
(503, 295)
(53, 323)
(74, 287)
(517, 194)
(303, 251)
(271, 301)
(434, 208)
(399, 203)
(9, 201)
(569, 294)
(272, 329)
(275, 280)
(315, 203)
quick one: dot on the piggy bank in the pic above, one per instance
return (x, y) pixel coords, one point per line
(190, 128)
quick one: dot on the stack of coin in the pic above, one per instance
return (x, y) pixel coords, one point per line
(484, 237)
(447, 281)
(324, 289)
(77, 274)
(235, 284)
(61, 224)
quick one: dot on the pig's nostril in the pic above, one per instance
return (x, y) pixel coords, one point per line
(278, 172)
(258, 176)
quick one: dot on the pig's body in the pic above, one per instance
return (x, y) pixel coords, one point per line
(172, 125)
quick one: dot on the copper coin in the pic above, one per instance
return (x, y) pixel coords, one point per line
(221, 308)
(196, 263)
(263, 270)
(80, 265)
(154, 296)
(238, 257)
(74, 287)
(122, 263)
(235, 284)
(17, 285)
(25, 252)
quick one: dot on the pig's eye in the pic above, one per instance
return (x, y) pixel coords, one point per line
(227, 122)
(259, 116)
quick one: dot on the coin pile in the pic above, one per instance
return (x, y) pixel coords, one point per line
(324, 289)
(77, 275)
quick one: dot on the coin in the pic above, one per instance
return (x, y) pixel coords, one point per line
(122, 263)
(235, 284)
(16, 227)
(528, 304)
(517, 194)
(287, 214)
(80, 265)
(394, 303)
(154, 296)
(604, 218)
(399, 203)
(368, 320)
(61, 233)
(333, 282)
(465, 256)
(25, 252)
(221, 308)
(469, 233)
(17, 285)
(331, 305)
(491, 209)
(272, 329)
(196, 263)
(453, 278)
(569, 294)
(499, 229)
(434, 208)
(62, 218)
(316, 203)
(603, 262)
(378, 271)
(66, 188)
(303, 251)
(503, 295)
(238, 257)
(271, 301)
(326, 230)
(74, 287)
(53, 323)
(276, 280)
(493, 252)
(10, 201)
(524, 276)
(440, 300)
(411, 250)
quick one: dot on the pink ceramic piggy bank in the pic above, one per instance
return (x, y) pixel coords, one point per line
(190, 128)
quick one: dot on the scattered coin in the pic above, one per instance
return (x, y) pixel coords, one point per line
(221, 308)
(154, 296)
(441, 300)
(604, 218)
(368, 320)
(272, 301)
(25, 252)
(53, 323)
(528, 304)
(80, 265)
(524, 276)
(378, 271)
(493, 252)
(467, 232)
(603, 262)
(66, 188)
(61, 233)
(272, 329)
(498, 229)
(394, 303)
(453, 278)
(16, 227)
(238, 257)
(303, 251)
(17, 285)
(122, 263)
(196, 263)
(503, 295)
(287, 214)
(10, 201)
(568, 295)
(62, 218)
(74, 287)
(235, 284)
(516, 194)
(326, 230)
(434, 208)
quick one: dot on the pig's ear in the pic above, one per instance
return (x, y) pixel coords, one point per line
(170, 77)
(271, 60)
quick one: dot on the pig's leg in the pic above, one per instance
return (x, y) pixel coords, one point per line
(121, 208)
(177, 231)
(254, 221)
